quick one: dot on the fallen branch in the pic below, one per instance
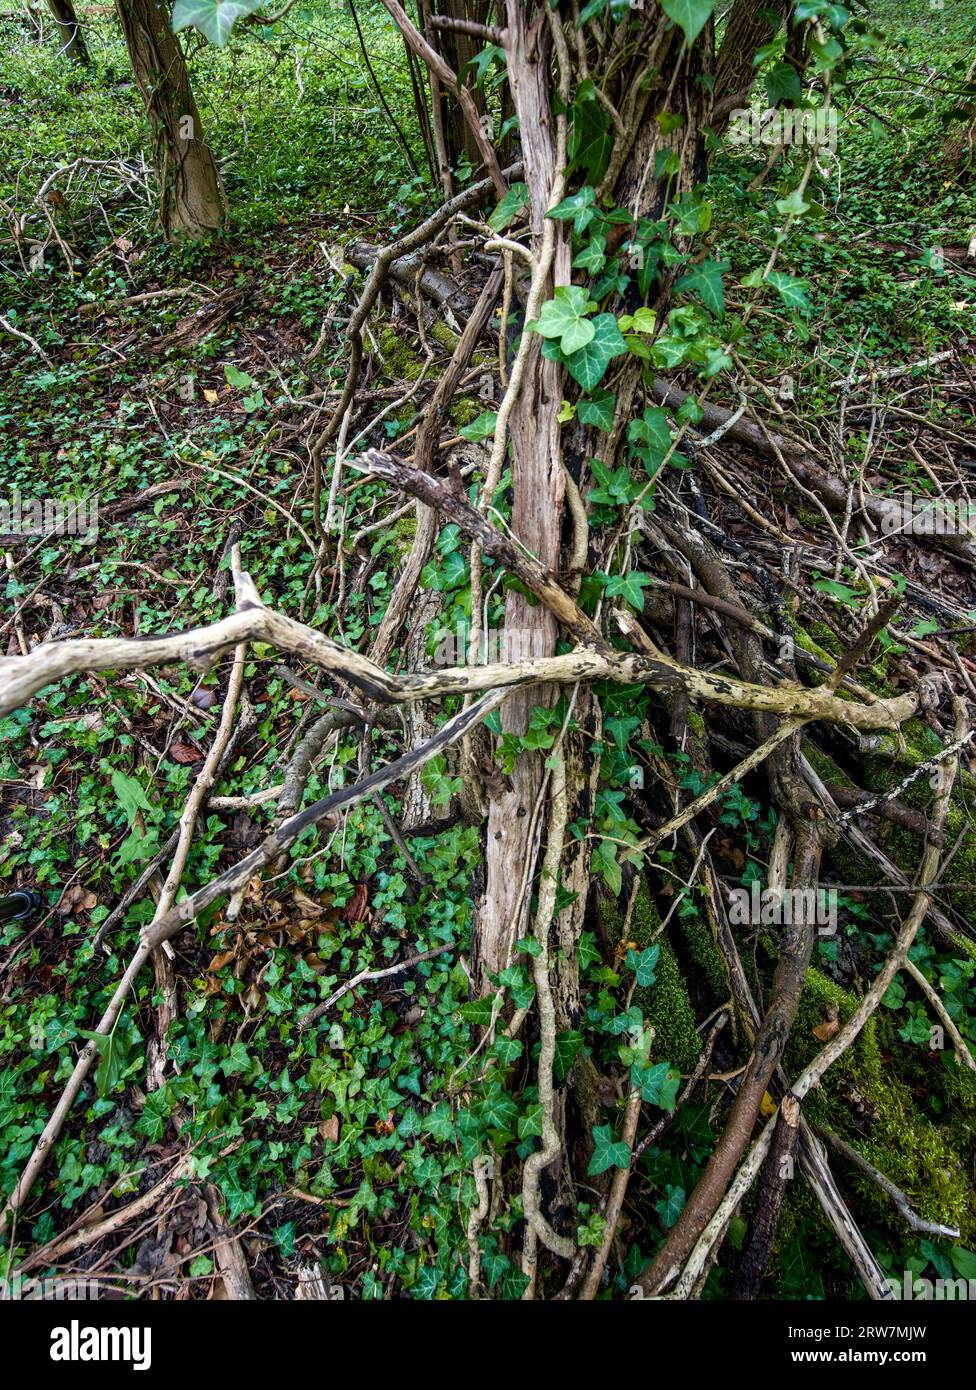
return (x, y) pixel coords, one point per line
(23, 676)
(916, 1222)
(306, 1021)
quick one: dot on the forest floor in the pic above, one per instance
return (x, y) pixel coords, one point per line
(182, 380)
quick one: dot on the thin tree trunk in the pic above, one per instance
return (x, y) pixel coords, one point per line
(191, 199)
(514, 822)
(459, 49)
(69, 31)
(751, 24)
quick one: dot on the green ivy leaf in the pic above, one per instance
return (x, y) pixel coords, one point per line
(214, 18)
(530, 1123)
(509, 207)
(792, 291)
(643, 964)
(130, 794)
(481, 428)
(689, 15)
(577, 208)
(593, 256)
(606, 1152)
(597, 410)
(670, 1206)
(588, 365)
(964, 1261)
(705, 280)
(604, 862)
(478, 1011)
(564, 317)
(629, 587)
(783, 84)
(568, 1045)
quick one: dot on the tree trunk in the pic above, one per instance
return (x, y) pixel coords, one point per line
(459, 49)
(69, 31)
(191, 199)
(751, 24)
(514, 823)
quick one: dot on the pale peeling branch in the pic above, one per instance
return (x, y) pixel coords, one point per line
(21, 677)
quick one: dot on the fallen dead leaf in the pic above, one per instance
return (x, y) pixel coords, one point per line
(185, 753)
(825, 1031)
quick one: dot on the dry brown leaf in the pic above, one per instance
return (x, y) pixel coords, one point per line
(825, 1031)
(356, 906)
(185, 753)
(307, 907)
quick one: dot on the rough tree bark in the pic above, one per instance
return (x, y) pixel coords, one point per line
(538, 487)
(191, 196)
(751, 24)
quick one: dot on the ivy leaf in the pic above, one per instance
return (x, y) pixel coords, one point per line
(795, 205)
(643, 321)
(783, 84)
(478, 1011)
(499, 1112)
(514, 1285)
(604, 861)
(563, 317)
(577, 208)
(593, 256)
(239, 1200)
(507, 1050)
(607, 1153)
(130, 794)
(509, 207)
(587, 952)
(597, 410)
(629, 587)
(112, 1054)
(705, 280)
(481, 428)
(591, 139)
(792, 291)
(843, 592)
(670, 1206)
(916, 1030)
(530, 1123)
(568, 1045)
(236, 378)
(214, 18)
(650, 437)
(616, 489)
(643, 964)
(689, 15)
(588, 364)
(964, 1261)
(658, 1084)
(439, 1124)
